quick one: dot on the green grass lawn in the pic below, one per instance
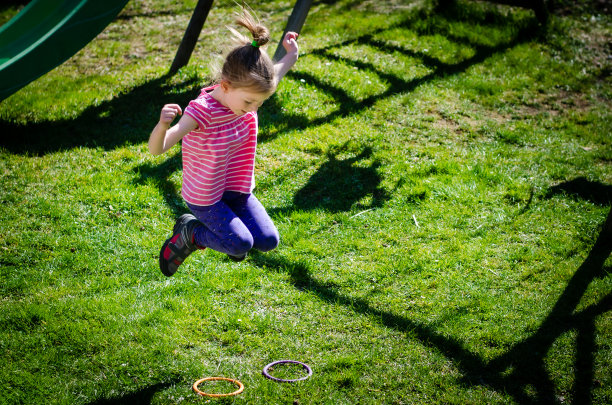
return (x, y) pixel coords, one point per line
(441, 180)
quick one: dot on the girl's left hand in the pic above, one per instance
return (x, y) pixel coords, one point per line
(290, 42)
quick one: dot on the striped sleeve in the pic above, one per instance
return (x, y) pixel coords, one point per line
(199, 110)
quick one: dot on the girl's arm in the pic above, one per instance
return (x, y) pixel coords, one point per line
(163, 137)
(283, 65)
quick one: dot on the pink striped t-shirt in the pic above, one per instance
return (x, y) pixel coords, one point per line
(219, 155)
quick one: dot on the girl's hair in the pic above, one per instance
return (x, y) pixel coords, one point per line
(247, 65)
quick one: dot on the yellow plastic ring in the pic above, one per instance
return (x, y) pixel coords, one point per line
(205, 394)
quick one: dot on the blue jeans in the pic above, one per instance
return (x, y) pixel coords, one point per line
(235, 225)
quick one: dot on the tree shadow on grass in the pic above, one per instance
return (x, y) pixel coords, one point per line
(521, 371)
(525, 362)
(582, 188)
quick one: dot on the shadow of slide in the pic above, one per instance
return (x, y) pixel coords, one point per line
(141, 397)
(126, 119)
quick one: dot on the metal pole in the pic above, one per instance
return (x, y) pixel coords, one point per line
(191, 35)
(295, 23)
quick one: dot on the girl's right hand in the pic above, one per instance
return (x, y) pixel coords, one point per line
(169, 113)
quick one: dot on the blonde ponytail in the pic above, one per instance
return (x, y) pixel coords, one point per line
(260, 34)
(247, 65)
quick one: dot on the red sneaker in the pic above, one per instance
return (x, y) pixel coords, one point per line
(180, 245)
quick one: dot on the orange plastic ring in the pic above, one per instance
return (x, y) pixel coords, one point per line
(205, 394)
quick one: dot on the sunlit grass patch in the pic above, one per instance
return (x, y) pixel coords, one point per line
(340, 78)
(432, 48)
(383, 62)
(294, 90)
(439, 180)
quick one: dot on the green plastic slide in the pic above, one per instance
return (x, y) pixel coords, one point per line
(45, 34)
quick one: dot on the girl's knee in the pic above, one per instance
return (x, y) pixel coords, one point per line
(265, 243)
(238, 246)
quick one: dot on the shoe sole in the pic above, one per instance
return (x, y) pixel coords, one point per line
(237, 259)
(165, 271)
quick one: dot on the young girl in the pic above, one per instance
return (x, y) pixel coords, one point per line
(219, 133)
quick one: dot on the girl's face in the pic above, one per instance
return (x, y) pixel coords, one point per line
(242, 100)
